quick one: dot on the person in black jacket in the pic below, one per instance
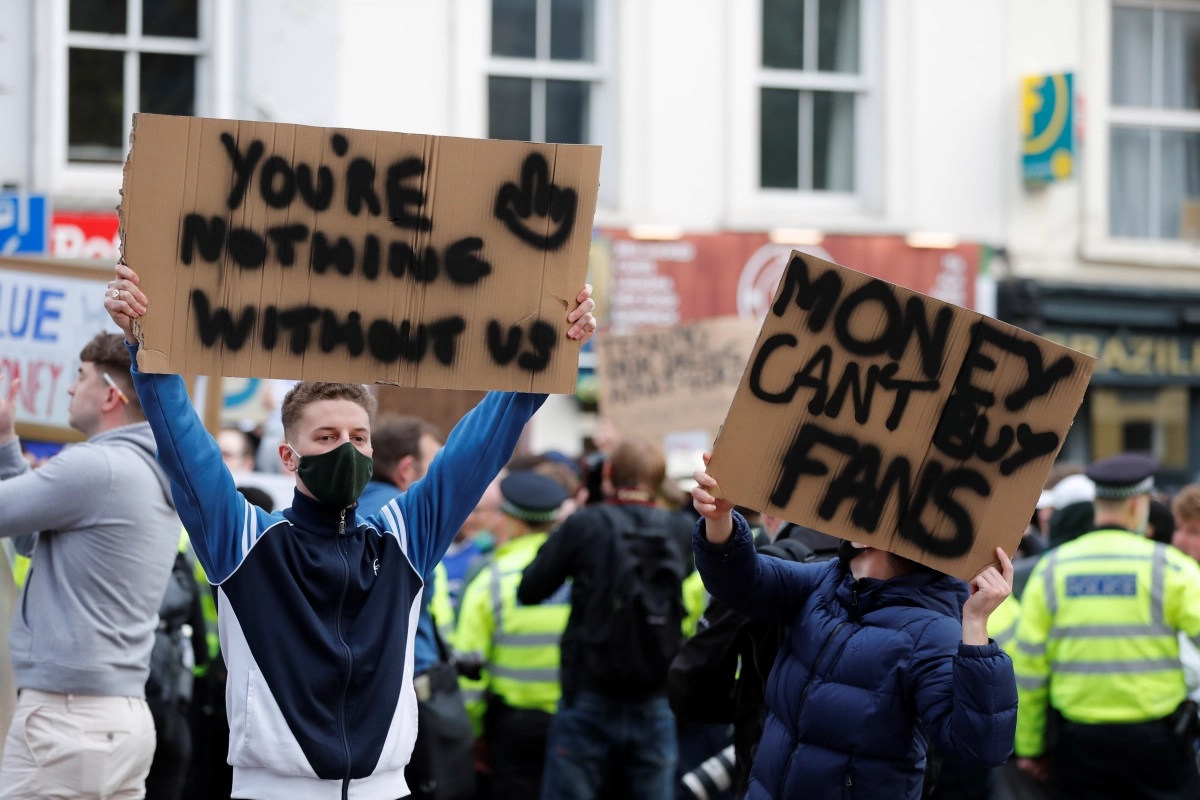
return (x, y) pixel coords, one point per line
(614, 725)
(720, 674)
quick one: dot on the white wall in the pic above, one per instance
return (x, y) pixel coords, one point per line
(291, 52)
(397, 60)
(1058, 233)
(16, 87)
(952, 175)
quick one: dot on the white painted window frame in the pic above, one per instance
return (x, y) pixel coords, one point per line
(1099, 116)
(214, 86)
(598, 73)
(751, 205)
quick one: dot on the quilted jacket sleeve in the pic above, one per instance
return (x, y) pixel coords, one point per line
(965, 695)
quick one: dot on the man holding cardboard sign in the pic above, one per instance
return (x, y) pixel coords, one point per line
(321, 254)
(318, 606)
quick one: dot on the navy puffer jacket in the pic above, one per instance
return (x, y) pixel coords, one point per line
(869, 670)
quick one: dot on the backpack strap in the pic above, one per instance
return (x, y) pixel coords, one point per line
(790, 550)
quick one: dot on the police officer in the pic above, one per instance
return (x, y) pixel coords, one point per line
(1097, 644)
(512, 702)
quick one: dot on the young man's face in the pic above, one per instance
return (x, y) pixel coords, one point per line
(89, 393)
(325, 425)
(1187, 536)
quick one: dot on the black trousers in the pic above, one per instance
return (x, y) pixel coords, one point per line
(517, 751)
(172, 751)
(1143, 761)
(209, 776)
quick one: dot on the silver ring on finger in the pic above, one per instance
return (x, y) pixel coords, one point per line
(115, 294)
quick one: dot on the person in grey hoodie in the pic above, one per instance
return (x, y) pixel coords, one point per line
(101, 528)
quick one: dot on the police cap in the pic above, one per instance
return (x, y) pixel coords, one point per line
(531, 497)
(1123, 476)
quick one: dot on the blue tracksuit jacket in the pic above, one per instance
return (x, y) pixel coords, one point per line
(317, 610)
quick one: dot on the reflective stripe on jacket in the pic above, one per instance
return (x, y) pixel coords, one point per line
(519, 644)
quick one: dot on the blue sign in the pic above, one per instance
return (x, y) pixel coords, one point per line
(24, 224)
(1048, 128)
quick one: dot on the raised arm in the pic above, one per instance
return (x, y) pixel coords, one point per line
(758, 586)
(475, 452)
(221, 524)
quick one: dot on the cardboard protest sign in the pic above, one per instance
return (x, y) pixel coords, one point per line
(877, 414)
(663, 380)
(48, 311)
(288, 251)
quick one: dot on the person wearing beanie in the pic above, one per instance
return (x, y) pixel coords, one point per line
(1102, 692)
(517, 644)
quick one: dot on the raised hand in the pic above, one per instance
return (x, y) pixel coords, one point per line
(717, 511)
(583, 323)
(124, 301)
(988, 590)
(8, 410)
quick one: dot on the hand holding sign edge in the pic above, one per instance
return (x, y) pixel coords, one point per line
(988, 590)
(707, 500)
(124, 301)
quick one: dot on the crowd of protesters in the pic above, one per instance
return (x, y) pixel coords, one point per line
(434, 616)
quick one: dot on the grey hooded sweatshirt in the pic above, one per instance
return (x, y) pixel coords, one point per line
(103, 532)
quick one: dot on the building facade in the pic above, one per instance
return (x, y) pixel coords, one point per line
(885, 135)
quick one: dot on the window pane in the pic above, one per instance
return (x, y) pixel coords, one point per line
(572, 30)
(509, 108)
(170, 18)
(97, 16)
(514, 28)
(833, 141)
(780, 139)
(1180, 182)
(1129, 183)
(168, 84)
(783, 34)
(1132, 43)
(95, 105)
(1181, 59)
(837, 32)
(567, 112)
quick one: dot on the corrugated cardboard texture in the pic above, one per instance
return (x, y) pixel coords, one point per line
(884, 416)
(287, 251)
(659, 381)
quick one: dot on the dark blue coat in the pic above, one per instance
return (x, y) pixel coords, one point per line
(870, 671)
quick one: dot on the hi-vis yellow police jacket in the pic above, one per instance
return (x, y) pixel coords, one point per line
(1098, 633)
(519, 644)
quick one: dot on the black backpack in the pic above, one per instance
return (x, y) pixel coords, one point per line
(635, 622)
(173, 656)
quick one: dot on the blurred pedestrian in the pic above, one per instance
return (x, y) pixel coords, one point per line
(100, 526)
(517, 643)
(1103, 709)
(625, 561)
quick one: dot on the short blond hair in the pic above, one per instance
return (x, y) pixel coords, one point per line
(305, 393)
(1186, 505)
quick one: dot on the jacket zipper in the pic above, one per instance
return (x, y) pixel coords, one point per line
(349, 654)
(808, 685)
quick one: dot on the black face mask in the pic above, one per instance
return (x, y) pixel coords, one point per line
(336, 478)
(847, 552)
